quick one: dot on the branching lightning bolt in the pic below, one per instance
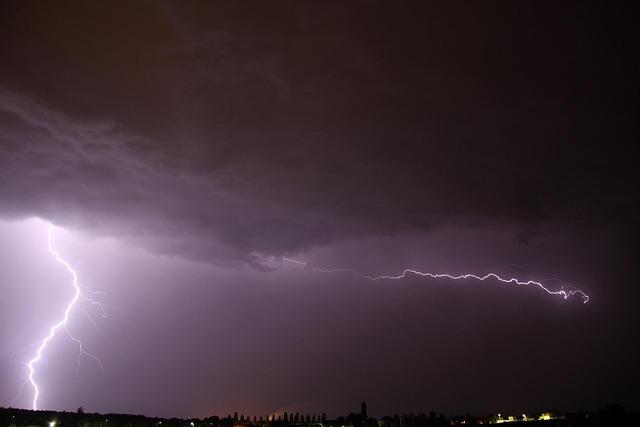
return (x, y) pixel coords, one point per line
(564, 292)
(62, 324)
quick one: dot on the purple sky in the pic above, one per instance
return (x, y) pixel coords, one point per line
(183, 149)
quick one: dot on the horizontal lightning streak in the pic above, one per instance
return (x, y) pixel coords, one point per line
(565, 293)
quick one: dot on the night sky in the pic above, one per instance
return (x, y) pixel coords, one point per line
(183, 149)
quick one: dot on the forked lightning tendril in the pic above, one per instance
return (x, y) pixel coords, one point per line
(564, 292)
(62, 324)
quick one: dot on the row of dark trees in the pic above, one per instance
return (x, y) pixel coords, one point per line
(286, 417)
(609, 416)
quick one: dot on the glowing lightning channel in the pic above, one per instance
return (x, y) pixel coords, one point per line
(565, 293)
(60, 325)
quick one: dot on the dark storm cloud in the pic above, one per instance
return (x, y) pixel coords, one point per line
(449, 137)
(216, 133)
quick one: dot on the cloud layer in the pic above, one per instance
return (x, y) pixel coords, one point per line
(218, 135)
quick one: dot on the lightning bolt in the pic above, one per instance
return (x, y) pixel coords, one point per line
(563, 292)
(62, 324)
